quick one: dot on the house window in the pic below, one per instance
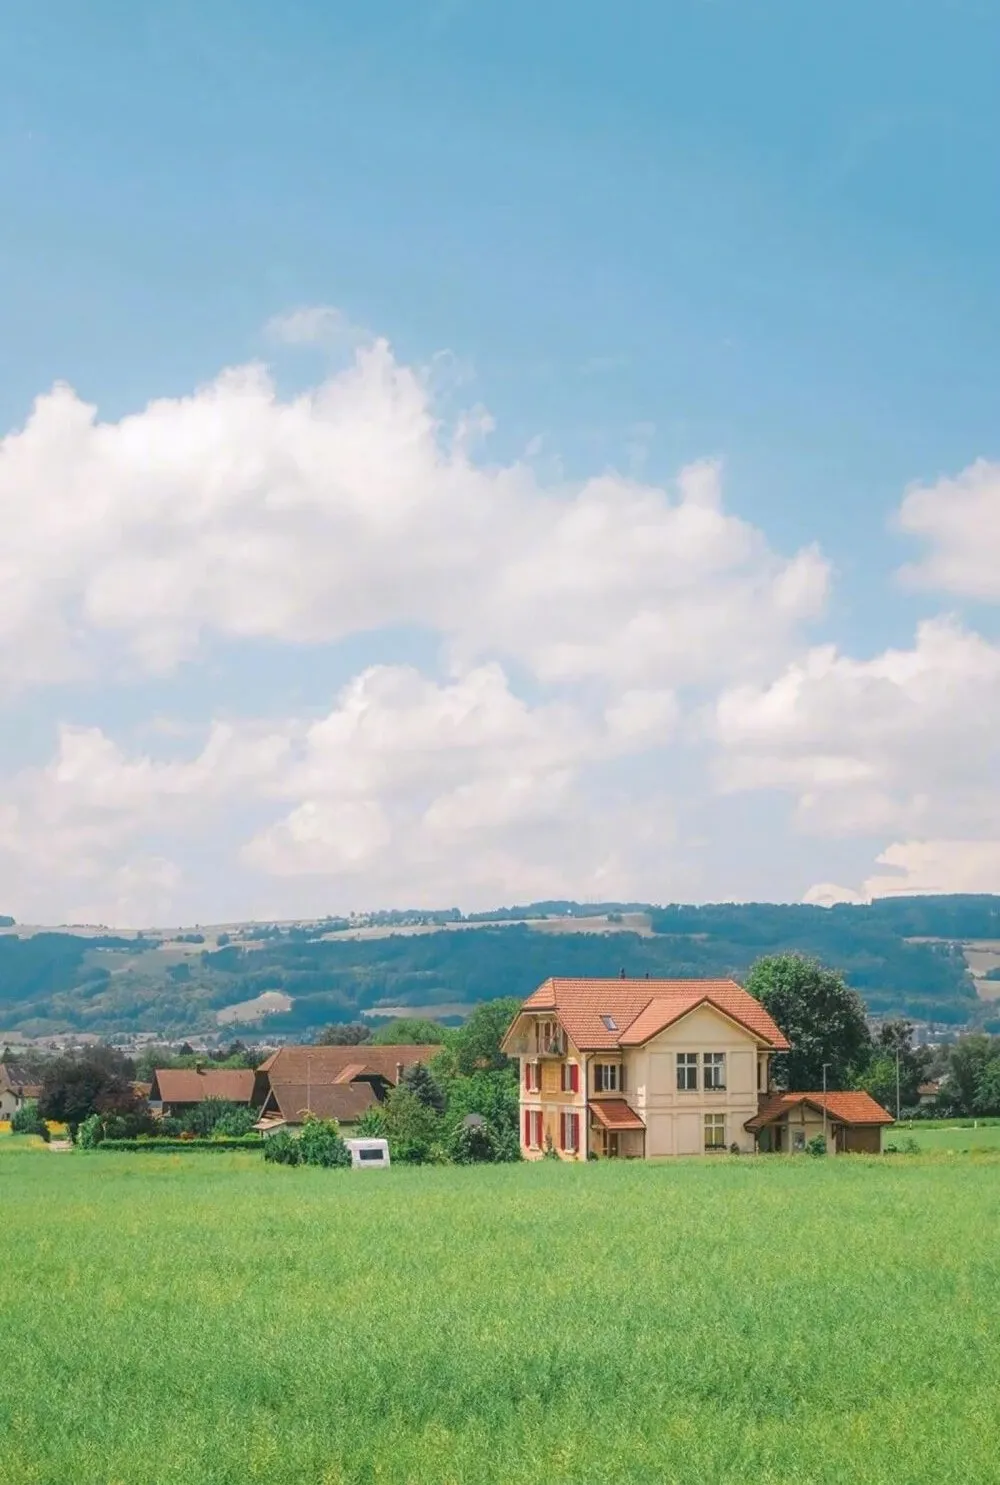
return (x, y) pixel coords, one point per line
(570, 1133)
(571, 1077)
(715, 1071)
(607, 1077)
(549, 1036)
(531, 1077)
(687, 1072)
(715, 1131)
(539, 1133)
(533, 1129)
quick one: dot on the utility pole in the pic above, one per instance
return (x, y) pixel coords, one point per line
(897, 1085)
(825, 1066)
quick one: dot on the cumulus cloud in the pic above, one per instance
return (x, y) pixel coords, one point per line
(238, 514)
(959, 519)
(315, 324)
(406, 785)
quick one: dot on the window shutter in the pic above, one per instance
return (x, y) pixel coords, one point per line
(527, 1077)
(574, 1078)
(527, 1126)
(576, 1130)
(538, 1128)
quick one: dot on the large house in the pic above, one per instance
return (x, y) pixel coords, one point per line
(329, 1082)
(647, 1068)
(17, 1086)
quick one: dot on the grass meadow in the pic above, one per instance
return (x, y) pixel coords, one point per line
(179, 1319)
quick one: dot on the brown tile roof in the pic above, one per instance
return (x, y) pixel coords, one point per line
(329, 1064)
(846, 1108)
(345, 1102)
(614, 1113)
(643, 1008)
(191, 1085)
(18, 1080)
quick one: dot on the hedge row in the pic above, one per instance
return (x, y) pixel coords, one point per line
(243, 1142)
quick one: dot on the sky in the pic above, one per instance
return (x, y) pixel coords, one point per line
(456, 453)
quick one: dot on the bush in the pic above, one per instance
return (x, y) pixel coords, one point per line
(248, 1142)
(281, 1149)
(90, 1133)
(27, 1120)
(473, 1144)
(235, 1122)
(816, 1146)
(320, 1144)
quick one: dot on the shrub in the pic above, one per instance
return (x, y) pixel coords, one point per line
(248, 1142)
(320, 1144)
(90, 1133)
(236, 1121)
(473, 1144)
(371, 1125)
(281, 1149)
(816, 1146)
(27, 1120)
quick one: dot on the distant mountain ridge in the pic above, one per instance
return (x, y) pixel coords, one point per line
(905, 956)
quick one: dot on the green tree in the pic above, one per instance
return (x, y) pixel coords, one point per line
(822, 1018)
(968, 1077)
(344, 1034)
(879, 1079)
(98, 1081)
(410, 1031)
(413, 1130)
(423, 1085)
(27, 1120)
(476, 1043)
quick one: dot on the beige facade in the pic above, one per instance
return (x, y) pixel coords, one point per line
(693, 1086)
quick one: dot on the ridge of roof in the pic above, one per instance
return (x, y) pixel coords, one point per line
(849, 1106)
(645, 1007)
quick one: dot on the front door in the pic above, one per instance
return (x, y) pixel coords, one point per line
(610, 1144)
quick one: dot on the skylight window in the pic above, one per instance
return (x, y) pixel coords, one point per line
(610, 1023)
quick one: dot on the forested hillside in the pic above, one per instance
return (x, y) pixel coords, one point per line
(904, 955)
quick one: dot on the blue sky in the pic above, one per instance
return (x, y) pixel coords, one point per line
(641, 236)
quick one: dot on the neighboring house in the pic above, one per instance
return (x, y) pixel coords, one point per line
(641, 1068)
(786, 1122)
(17, 1087)
(928, 1092)
(329, 1082)
(174, 1090)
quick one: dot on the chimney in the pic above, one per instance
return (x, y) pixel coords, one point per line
(647, 974)
(621, 973)
(399, 1073)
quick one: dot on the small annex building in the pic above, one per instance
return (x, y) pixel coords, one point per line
(175, 1090)
(853, 1122)
(329, 1082)
(17, 1087)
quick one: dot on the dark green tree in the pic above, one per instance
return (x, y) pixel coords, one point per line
(423, 1085)
(410, 1031)
(344, 1034)
(97, 1081)
(822, 1018)
(476, 1043)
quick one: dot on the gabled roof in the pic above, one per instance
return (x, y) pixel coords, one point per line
(614, 1113)
(19, 1080)
(846, 1108)
(192, 1085)
(345, 1102)
(331, 1064)
(641, 1009)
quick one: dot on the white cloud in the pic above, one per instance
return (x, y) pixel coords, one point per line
(315, 324)
(828, 894)
(934, 866)
(236, 514)
(960, 519)
(906, 741)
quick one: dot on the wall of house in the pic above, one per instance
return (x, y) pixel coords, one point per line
(675, 1120)
(863, 1139)
(552, 1101)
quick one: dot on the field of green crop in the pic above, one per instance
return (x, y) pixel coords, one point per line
(192, 1321)
(956, 1137)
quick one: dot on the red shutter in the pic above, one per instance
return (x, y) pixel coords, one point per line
(538, 1128)
(527, 1077)
(527, 1126)
(574, 1078)
(576, 1131)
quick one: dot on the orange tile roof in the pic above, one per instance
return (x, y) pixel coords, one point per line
(614, 1113)
(846, 1108)
(643, 1008)
(192, 1085)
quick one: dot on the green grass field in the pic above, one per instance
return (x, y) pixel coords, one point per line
(174, 1320)
(983, 1137)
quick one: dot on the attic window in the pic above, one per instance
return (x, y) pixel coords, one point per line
(610, 1024)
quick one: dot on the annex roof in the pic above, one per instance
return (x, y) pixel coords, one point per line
(18, 1080)
(641, 1009)
(846, 1108)
(192, 1085)
(344, 1102)
(301, 1064)
(614, 1113)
